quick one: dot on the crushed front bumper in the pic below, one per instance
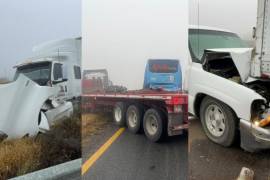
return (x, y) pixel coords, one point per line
(254, 138)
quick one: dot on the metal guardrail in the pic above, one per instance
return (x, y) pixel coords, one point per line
(54, 172)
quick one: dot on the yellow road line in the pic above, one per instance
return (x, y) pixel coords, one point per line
(87, 165)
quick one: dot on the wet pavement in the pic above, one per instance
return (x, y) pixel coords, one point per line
(208, 160)
(134, 157)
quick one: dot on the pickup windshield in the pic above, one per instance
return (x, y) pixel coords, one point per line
(199, 40)
(37, 72)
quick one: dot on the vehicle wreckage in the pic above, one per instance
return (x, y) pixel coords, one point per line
(45, 89)
(249, 96)
(28, 108)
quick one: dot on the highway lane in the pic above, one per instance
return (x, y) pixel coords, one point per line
(208, 160)
(134, 157)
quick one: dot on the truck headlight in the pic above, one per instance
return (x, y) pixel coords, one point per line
(256, 123)
(178, 108)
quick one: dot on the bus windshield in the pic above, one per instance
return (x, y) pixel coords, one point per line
(163, 66)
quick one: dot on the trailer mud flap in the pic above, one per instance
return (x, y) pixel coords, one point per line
(20, 105)
(175, 124)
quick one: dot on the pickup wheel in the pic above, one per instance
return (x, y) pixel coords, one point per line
(218, 121)
(134, 118)
(153, 125)
(119, 114)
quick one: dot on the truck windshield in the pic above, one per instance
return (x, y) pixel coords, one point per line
(37, 72)
(199, 40)
(163, 66)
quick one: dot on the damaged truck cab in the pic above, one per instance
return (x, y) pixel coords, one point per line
(44, 90)
(222, 92)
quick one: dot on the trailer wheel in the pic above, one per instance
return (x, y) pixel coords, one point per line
(119, 113)
(134, 118)
(153, 125)
(218, 121)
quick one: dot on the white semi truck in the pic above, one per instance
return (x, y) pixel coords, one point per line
(229, 83)
(45, 89)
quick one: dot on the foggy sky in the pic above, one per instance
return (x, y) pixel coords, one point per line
(121, 35)
(236, 15)
(26, 23)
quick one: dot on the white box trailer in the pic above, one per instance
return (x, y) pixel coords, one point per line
(261, 61)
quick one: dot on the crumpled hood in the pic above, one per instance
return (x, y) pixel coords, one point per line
(242, 60)
(20, 104)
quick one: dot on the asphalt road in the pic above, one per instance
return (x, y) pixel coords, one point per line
(133, 157)
(73, 176)
(211, 161)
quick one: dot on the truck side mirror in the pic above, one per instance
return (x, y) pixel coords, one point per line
(57, 72)
(59, 81)
(254, 33)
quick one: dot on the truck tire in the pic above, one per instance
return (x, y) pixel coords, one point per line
(119, 114)
(134, 118)
(219, 121)
(153, 125)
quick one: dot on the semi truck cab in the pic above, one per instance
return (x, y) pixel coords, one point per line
(47, 86)
(45, 72)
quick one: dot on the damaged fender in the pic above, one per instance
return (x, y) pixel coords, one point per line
(20, 106)
(237, 96)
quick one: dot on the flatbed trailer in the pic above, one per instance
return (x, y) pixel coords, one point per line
(158, 113)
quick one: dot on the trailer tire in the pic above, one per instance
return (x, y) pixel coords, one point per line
(119, 114)
(153, 125)
(134, 118)
(219, 121)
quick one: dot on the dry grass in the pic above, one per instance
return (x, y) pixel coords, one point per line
(93, 124)
(18, 157)
(22, 156)
(4, 81)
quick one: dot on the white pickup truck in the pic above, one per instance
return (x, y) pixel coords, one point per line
(229, 83)
(225, 95)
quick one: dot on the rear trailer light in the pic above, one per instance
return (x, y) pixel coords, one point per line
(178, 108)
(177, 100)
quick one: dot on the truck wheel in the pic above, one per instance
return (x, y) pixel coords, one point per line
(153, 125)
(218, 121)
(119, 114)
(134, 118)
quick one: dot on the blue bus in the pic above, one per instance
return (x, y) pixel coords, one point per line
(163, 74)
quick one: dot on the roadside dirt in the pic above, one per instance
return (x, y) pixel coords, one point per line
(93, 124)
(61, 144)
(3, 81)
(208, 160)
